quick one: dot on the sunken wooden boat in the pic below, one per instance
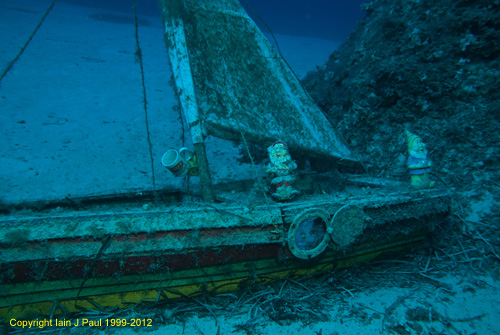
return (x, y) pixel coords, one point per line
(126, 253)
(124, 249)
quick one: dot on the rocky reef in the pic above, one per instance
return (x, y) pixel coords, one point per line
(432, 67)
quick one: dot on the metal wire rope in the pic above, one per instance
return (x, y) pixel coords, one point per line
(138, 54)
(11, 64)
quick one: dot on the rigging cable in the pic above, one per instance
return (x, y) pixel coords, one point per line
(227, 99)
(274, 38)
(138, 54)
(284, 59)
(11, 64)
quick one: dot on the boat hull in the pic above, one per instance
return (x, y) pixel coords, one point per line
(130, 257)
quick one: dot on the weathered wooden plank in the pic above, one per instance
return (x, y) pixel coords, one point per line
(241, 83)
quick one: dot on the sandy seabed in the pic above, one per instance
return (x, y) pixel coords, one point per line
(73, 124)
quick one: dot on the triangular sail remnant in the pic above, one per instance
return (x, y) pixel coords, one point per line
(230, 80)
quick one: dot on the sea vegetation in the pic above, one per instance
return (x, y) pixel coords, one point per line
(428, 66)
(432, 67)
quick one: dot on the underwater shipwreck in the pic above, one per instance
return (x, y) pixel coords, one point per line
(118, 250)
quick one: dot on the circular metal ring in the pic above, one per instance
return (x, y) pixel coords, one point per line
(307, 236)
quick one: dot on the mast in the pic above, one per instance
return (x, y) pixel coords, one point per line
(179, 60)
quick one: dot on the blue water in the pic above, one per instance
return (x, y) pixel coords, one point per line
(329, 19)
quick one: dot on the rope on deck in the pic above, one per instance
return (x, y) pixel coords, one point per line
(274, 38)
(11, 64)
(138, 54)
(258, 179)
